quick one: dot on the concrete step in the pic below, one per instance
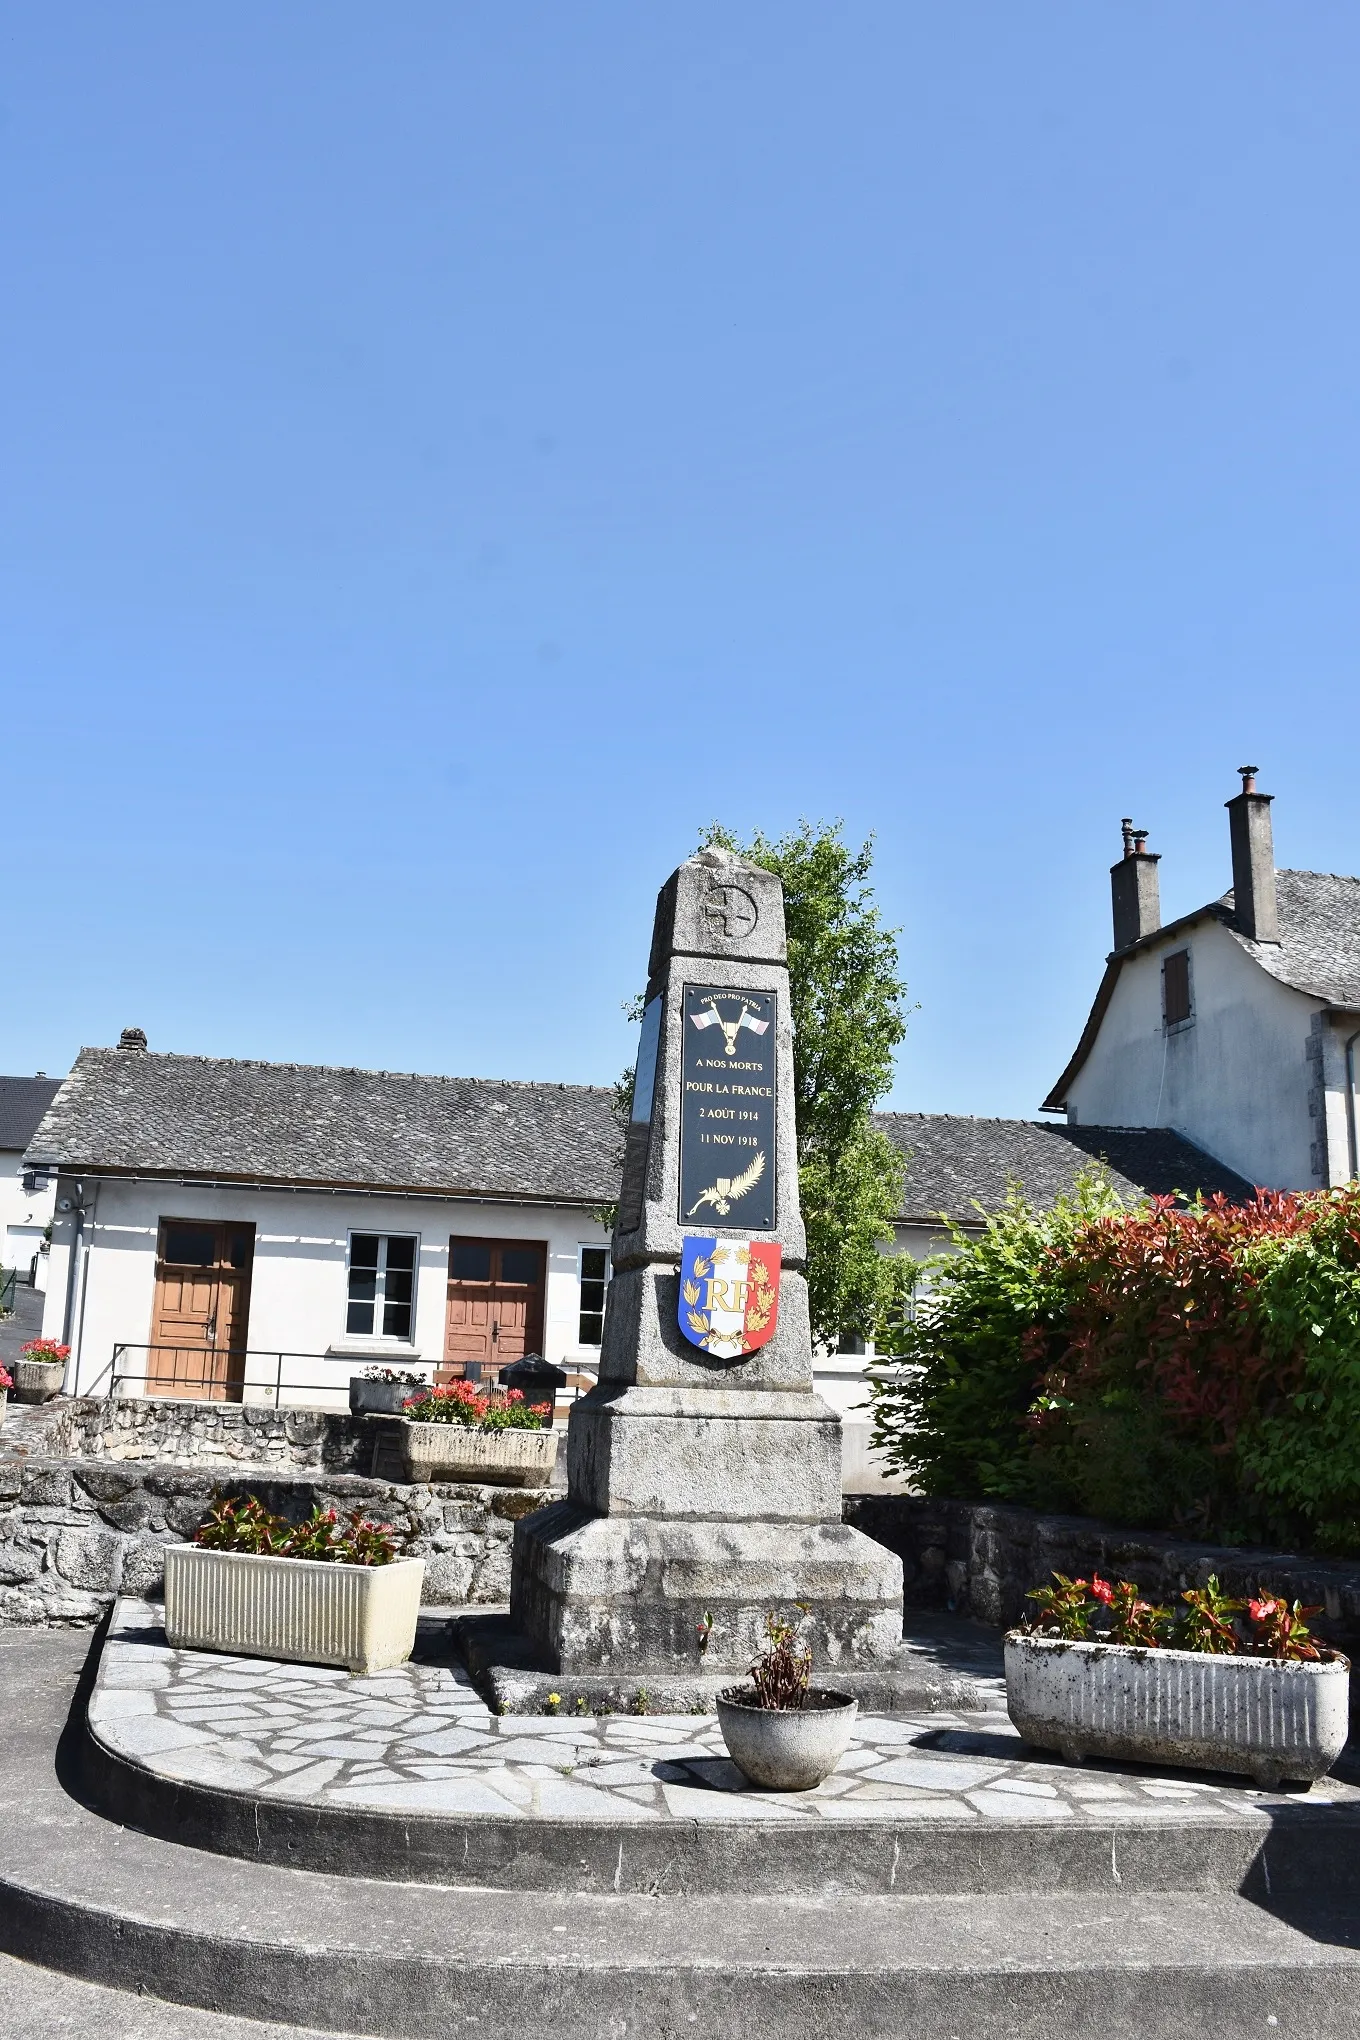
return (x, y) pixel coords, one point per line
(42, 2004)
(353, 1955)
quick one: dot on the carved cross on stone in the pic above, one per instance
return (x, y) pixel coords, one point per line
(729, 911)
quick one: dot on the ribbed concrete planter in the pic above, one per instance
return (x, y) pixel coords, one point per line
(305, 1611)
(38, 1381)
(788, 1749)
(1278, 1722)
(457, 1452)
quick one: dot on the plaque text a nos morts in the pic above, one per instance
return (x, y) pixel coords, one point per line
(728, 1165)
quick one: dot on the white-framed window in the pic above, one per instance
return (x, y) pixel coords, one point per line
(594, 1274)
(382, 1285)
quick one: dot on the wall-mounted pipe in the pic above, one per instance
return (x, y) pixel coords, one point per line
(1352, 1137)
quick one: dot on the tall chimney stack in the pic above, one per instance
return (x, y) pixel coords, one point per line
(1134, 890)
(1253, 860)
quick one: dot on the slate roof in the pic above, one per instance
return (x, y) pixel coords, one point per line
(954, 1163)
(1318, 952)
(297, 1123)
(124, 1112)
(1319, 947)
(23, 1101)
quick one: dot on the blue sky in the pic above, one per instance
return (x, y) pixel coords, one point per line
(451, 453)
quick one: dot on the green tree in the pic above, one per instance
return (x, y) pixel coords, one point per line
(848, 1016)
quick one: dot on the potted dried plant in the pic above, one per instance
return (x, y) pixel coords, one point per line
(381, 1391)
(464, 1432)
(40, 1370)
(783, 1732)
(320, 1592)
(1220, 1684)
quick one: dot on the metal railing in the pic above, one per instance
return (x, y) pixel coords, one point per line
(239, 1374)
(9, 1282)
(256, 1374)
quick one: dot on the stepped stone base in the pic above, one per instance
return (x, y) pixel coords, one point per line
(629, 1596)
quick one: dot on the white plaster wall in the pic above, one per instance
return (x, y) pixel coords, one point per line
(24, 1217)
(298, 1286)
(1235, 1082)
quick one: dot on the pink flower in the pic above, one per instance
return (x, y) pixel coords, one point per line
(1261, 1611)
(1101, 1590)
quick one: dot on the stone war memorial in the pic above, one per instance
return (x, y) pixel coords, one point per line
(704, 1473)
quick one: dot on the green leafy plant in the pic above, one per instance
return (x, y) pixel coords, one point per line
(393, 1374)
(1207, 1623)
(245, 1524)
(1279, 1629)
(1098, 1611)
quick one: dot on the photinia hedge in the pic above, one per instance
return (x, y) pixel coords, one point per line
(1192, 1368)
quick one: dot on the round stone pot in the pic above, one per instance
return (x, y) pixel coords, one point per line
(788, 1749)
(378, 1398)
(38, 1380)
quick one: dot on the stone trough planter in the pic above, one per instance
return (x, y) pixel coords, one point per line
(301, 1610)
(457, 1452)
(788, 1749)
(37, 1381)
(1280, 1723)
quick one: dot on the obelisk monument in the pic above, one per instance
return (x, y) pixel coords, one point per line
(704, 1473)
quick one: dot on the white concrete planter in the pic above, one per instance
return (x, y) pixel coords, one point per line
(788, 1749)
(1278, 1722)
(37, 1381)
(305, 1611)
(457, 1452)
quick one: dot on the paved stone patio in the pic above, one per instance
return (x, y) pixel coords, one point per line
(419, 1740)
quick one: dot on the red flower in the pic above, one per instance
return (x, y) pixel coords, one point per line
(1261, 1611)
(1101, 1589)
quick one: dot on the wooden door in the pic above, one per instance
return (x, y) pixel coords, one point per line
(495, 1305)
(200, 1316)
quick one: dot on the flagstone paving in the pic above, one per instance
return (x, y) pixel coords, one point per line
(420, 1740)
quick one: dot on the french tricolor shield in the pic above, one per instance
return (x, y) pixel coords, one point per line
(729, 1294)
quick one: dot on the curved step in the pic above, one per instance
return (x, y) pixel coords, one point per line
(412, 1962)
(181, 1745)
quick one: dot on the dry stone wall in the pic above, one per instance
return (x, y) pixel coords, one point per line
(981, 1558)
(191, 1433)
(76, 1532)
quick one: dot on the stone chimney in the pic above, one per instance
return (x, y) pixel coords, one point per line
(133, 1038)
(1134, 890)
(1253, 860)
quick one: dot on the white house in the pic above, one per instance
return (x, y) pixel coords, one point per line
(1237, 1024)
(248, 1229)
(26, 1198)
(235, 1228)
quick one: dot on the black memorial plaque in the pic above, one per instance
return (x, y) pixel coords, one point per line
(728, 1156)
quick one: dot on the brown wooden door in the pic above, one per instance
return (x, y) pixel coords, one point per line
(495, 1306)
(200, 1317)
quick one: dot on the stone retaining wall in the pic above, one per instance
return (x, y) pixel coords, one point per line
(980, 1559)
(75, 1532)
(156, 1429)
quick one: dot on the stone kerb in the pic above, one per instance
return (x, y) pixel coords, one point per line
(74, 1533)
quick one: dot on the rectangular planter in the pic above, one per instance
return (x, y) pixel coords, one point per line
(305, 1611)
(1277, 1722)
(457, 1452)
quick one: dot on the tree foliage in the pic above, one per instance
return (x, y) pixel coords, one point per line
(848, 1015)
